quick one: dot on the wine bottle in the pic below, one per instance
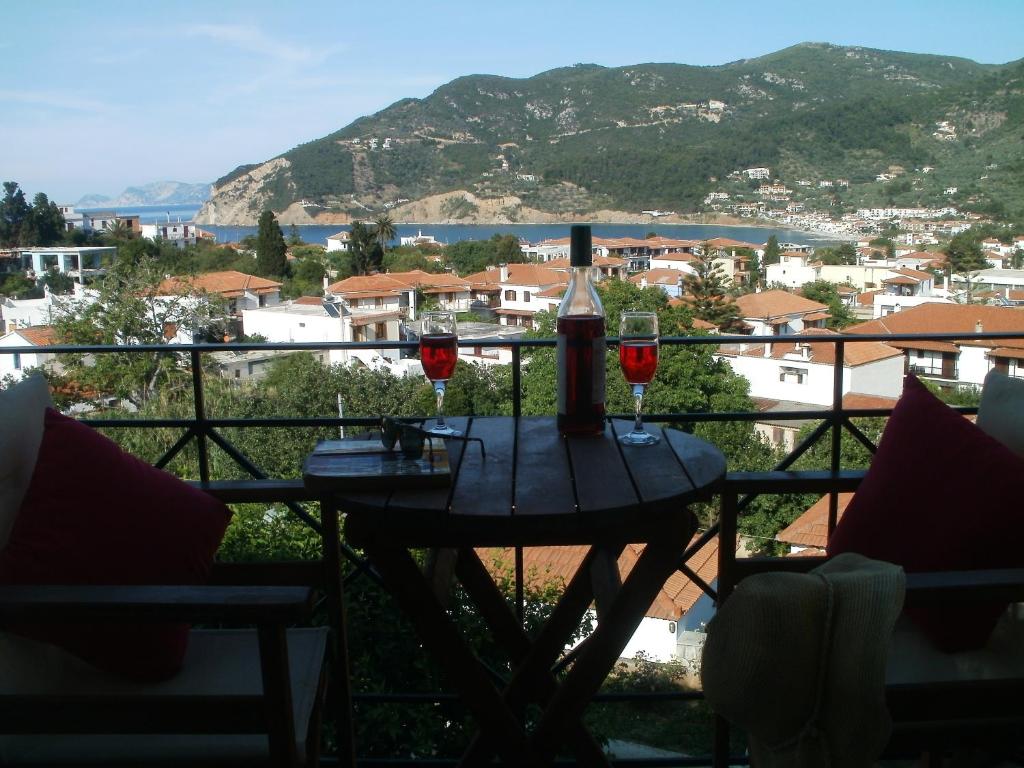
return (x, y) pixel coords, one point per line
(581, 345)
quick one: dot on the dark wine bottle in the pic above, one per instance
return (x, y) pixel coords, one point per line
(581, 345)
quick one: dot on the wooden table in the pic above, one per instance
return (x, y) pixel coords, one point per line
(534, 488)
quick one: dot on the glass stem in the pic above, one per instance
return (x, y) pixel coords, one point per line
(439, 391)
(638, 397)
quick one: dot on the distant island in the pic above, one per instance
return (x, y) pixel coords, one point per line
(157, 193)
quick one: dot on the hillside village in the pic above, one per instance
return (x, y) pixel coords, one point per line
(880, 288)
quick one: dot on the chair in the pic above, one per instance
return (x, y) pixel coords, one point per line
(939, 702)
(250, 693)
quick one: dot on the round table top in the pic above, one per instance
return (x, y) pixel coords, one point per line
(535, 488)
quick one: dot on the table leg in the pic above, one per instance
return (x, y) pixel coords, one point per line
(446, 645)
(341, 682)
(539, 681)
(603, 647)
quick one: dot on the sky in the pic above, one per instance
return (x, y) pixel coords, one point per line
(97, 96)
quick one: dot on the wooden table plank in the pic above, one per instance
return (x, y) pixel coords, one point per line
(602, 481)
(702, 462)
(433, 500)
(668, 480)
(484, 486)
(543, 479)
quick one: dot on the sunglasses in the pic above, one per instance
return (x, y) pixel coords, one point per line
(411, 436)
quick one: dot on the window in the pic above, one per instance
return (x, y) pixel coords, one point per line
(378, 301)
(526, 295)
(788, 374)
(263, 301)
(380, 331)
(17, 361)
(302, 325)
(510, 295)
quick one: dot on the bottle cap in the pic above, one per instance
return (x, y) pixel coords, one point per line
(580, 246)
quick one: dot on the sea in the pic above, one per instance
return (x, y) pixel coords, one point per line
(452, 233)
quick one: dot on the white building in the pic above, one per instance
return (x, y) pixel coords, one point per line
(76, 262)
(518, 287)
(780, 313)
(958, 361)
(794, 269)
(26, 313)
(340, 241)
(30, 345)
(757, 173)
(805, 372)
(179, 233)
(418, 239)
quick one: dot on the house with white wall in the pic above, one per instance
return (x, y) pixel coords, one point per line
(683, 262)
(779, 313)
(606, 266)
(178, 233)
(520, 286)
(76, 262)
(397, 290)
(669, 280)
(30, 350)
(793, 270)
(957, 362)
(905, 289)
(25, 313)
(673, 626)
(340, 241)
(805, 372)
(238, 290)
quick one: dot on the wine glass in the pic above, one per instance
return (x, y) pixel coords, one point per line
(638, 356)
(438, 352)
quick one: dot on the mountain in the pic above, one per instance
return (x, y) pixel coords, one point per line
(596, 142)
(157, 193)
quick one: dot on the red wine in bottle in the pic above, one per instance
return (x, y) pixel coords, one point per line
(639, 360)
(581, 345)
(438, 354)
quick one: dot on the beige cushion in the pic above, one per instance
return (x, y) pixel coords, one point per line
(913, 659)
(1001, 412)
(218, 663)
(21, 431)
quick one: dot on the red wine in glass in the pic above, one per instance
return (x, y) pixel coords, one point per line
(639, 360)
(438, 353)
(581, 350)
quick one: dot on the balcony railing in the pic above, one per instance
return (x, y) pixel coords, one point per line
(738, 489)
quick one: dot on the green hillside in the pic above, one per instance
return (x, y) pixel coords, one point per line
(663, 135)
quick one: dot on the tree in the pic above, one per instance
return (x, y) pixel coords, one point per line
(57, 282)
(270, 247)
(384, 231)
(827, 293)
(14, 210)
(117, 230)
(841, 254)
(772, 250)
(965, 257)
(130, 310)
(364, 254)
(706, 293)
(47, 221)
(294, 238)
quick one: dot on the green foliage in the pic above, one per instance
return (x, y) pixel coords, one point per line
(706, 293)
(17, 286)
(407, 258)
(364, 255)
(828, 293)
(14, 213)
(384, 231)
(840, 254)
(467, 257)
(458, 207)
(772, 250)
(58, 282)
(270, 247)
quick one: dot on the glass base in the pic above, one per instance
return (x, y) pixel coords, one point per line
(639, 438)
(444, 431)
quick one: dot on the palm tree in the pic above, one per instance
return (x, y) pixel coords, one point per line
(118, 230)
(385, 231)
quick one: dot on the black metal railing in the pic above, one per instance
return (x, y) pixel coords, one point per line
(834, 420)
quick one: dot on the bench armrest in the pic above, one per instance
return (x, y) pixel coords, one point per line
(159, 603)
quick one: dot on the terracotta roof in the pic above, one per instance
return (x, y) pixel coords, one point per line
(817, 316)
(901, 280)
(598, 261)
(519, 274)
(659, 276)
(1016, 354)
(951, 318)
(769, 304)
(545, 564)
(867, 298)
(725, 242)
(860, 400)
(855, 353)
(38, 335)
(397, 282)
(516, 312)
(228, 283)
(374, 317)
(674, 257)
(310, 300)
(555, 291)
(811, 528)
(702, 324)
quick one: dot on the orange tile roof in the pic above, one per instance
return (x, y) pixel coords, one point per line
(867, 298)
(598, 261)
(948, 318)
(860, 400)
(545, 564)
(310, 300)
(555, 291)
(397, 282)
(519, 274)
(659, 276)
(227, 283)
(687, 257)
(811, 528)
(769, 304)
(725, 242)
(38, 335)
(855, 353)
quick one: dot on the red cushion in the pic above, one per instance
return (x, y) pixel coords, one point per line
(941, 495)
(94, 514)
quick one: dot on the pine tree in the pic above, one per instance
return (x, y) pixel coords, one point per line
(706, 294)
(771, 250)
(270, 247)
(14, 210)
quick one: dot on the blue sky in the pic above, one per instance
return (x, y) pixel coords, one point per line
(100, 95)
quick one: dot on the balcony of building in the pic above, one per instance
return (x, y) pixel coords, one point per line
(405, 712)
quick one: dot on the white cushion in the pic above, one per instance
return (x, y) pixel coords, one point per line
(22, 408)
(1001, 412)
(217, 663)
(913, 659)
